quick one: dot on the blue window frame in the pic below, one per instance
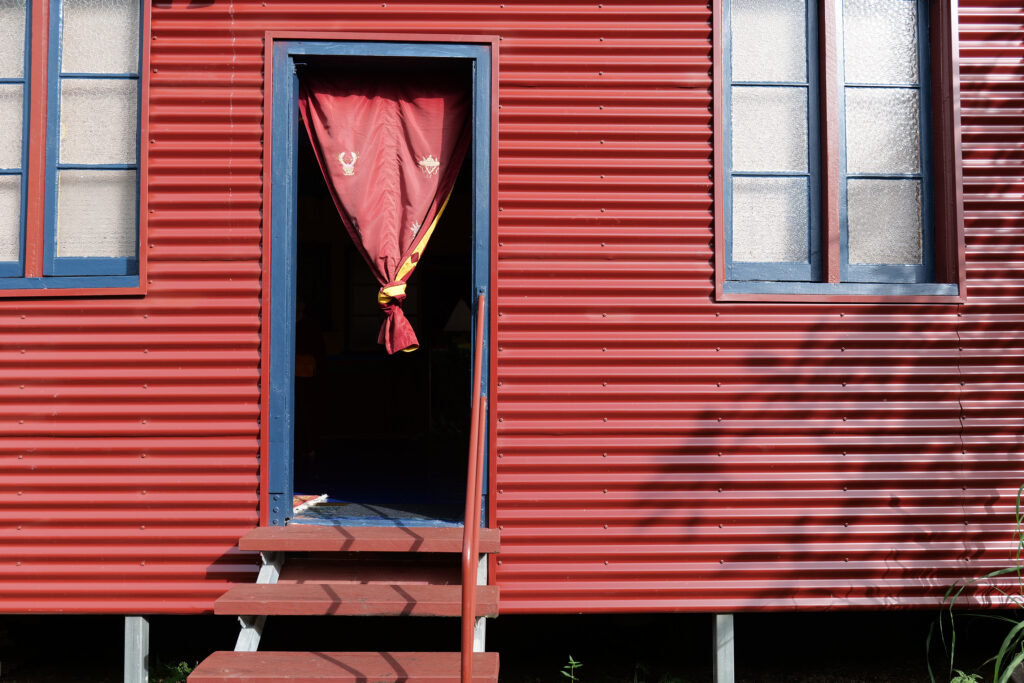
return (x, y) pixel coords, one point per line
(876, 203)
(11, 173)
(60, 82)
(89, 234)
(924, 271)
(808, 266)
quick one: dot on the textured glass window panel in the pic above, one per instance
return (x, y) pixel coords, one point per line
(100, 36)
(98, 121)
(11, 111)
(10, 217)
(12, 38)
(880, 41)
(884, 221)
(883, 132)
(96, 213)
(769, 129)
(769, 40)
(770, 220)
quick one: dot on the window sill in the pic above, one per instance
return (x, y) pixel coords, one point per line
(852, 292)
(95, 285)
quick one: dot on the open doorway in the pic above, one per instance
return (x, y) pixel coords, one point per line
(384, 437)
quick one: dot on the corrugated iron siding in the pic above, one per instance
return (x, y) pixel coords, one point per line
(128, 457)
(656, 450)
(659, 451)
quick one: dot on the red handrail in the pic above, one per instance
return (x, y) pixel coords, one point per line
(474, 484)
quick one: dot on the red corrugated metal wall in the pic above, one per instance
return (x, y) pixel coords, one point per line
(659, 451)
(655, 450)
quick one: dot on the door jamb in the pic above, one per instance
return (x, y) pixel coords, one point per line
(279, 245)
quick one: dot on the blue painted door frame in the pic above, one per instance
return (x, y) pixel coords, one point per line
(283, 238)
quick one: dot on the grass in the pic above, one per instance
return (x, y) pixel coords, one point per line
(1010, 655)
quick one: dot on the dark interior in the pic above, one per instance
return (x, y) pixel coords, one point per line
(369, 427)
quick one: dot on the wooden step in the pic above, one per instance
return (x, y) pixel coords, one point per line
(387, 568)
(342, 667)
(298, 537)
(416, 600)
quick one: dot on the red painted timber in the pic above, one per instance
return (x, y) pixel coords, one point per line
(367, 568)
(415, 600)
(298, 537)
(342, 667)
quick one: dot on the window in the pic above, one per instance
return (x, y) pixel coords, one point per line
(69, 152)
(830, 115)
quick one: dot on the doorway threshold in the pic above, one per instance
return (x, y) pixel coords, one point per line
(333, 512)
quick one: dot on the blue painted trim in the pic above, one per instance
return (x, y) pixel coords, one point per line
(886, 86)
(382, 49)
(10, 269)
(769, 174)
(71, 265)
(100, 282)
(284, 138)
(54, 265)
(283, 254)
(127, 75)
(768, 84)
(52, 136)
(885, 176)
(481, 274)
(96, 167)
(17, 268)
(842, 288)
(810, 269)
(892, 273)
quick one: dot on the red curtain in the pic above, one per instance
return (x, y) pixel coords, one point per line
(390, 152)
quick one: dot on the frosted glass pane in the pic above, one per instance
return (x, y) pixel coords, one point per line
(11, 110)
(100, 36)
(769, 129)
(884, 221)
(769, 40)
(12, 38)
(98, 121)
(769, 220)
(96, 213)
(883, 133)
(10, 217)
(880, 39)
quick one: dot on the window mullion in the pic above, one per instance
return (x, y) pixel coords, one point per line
(828, 46)
(35, 171)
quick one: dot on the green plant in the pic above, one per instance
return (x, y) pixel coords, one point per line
(1010, 654)
(172, 673)
(569, 670)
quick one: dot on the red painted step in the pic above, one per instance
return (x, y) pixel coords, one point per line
(386, 568)
(298, 537)
(417, 600)
(342, 667)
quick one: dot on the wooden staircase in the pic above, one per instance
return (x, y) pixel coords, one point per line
(327, 570)
(352, 571)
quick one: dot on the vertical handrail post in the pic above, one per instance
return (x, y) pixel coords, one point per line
(474, 476)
